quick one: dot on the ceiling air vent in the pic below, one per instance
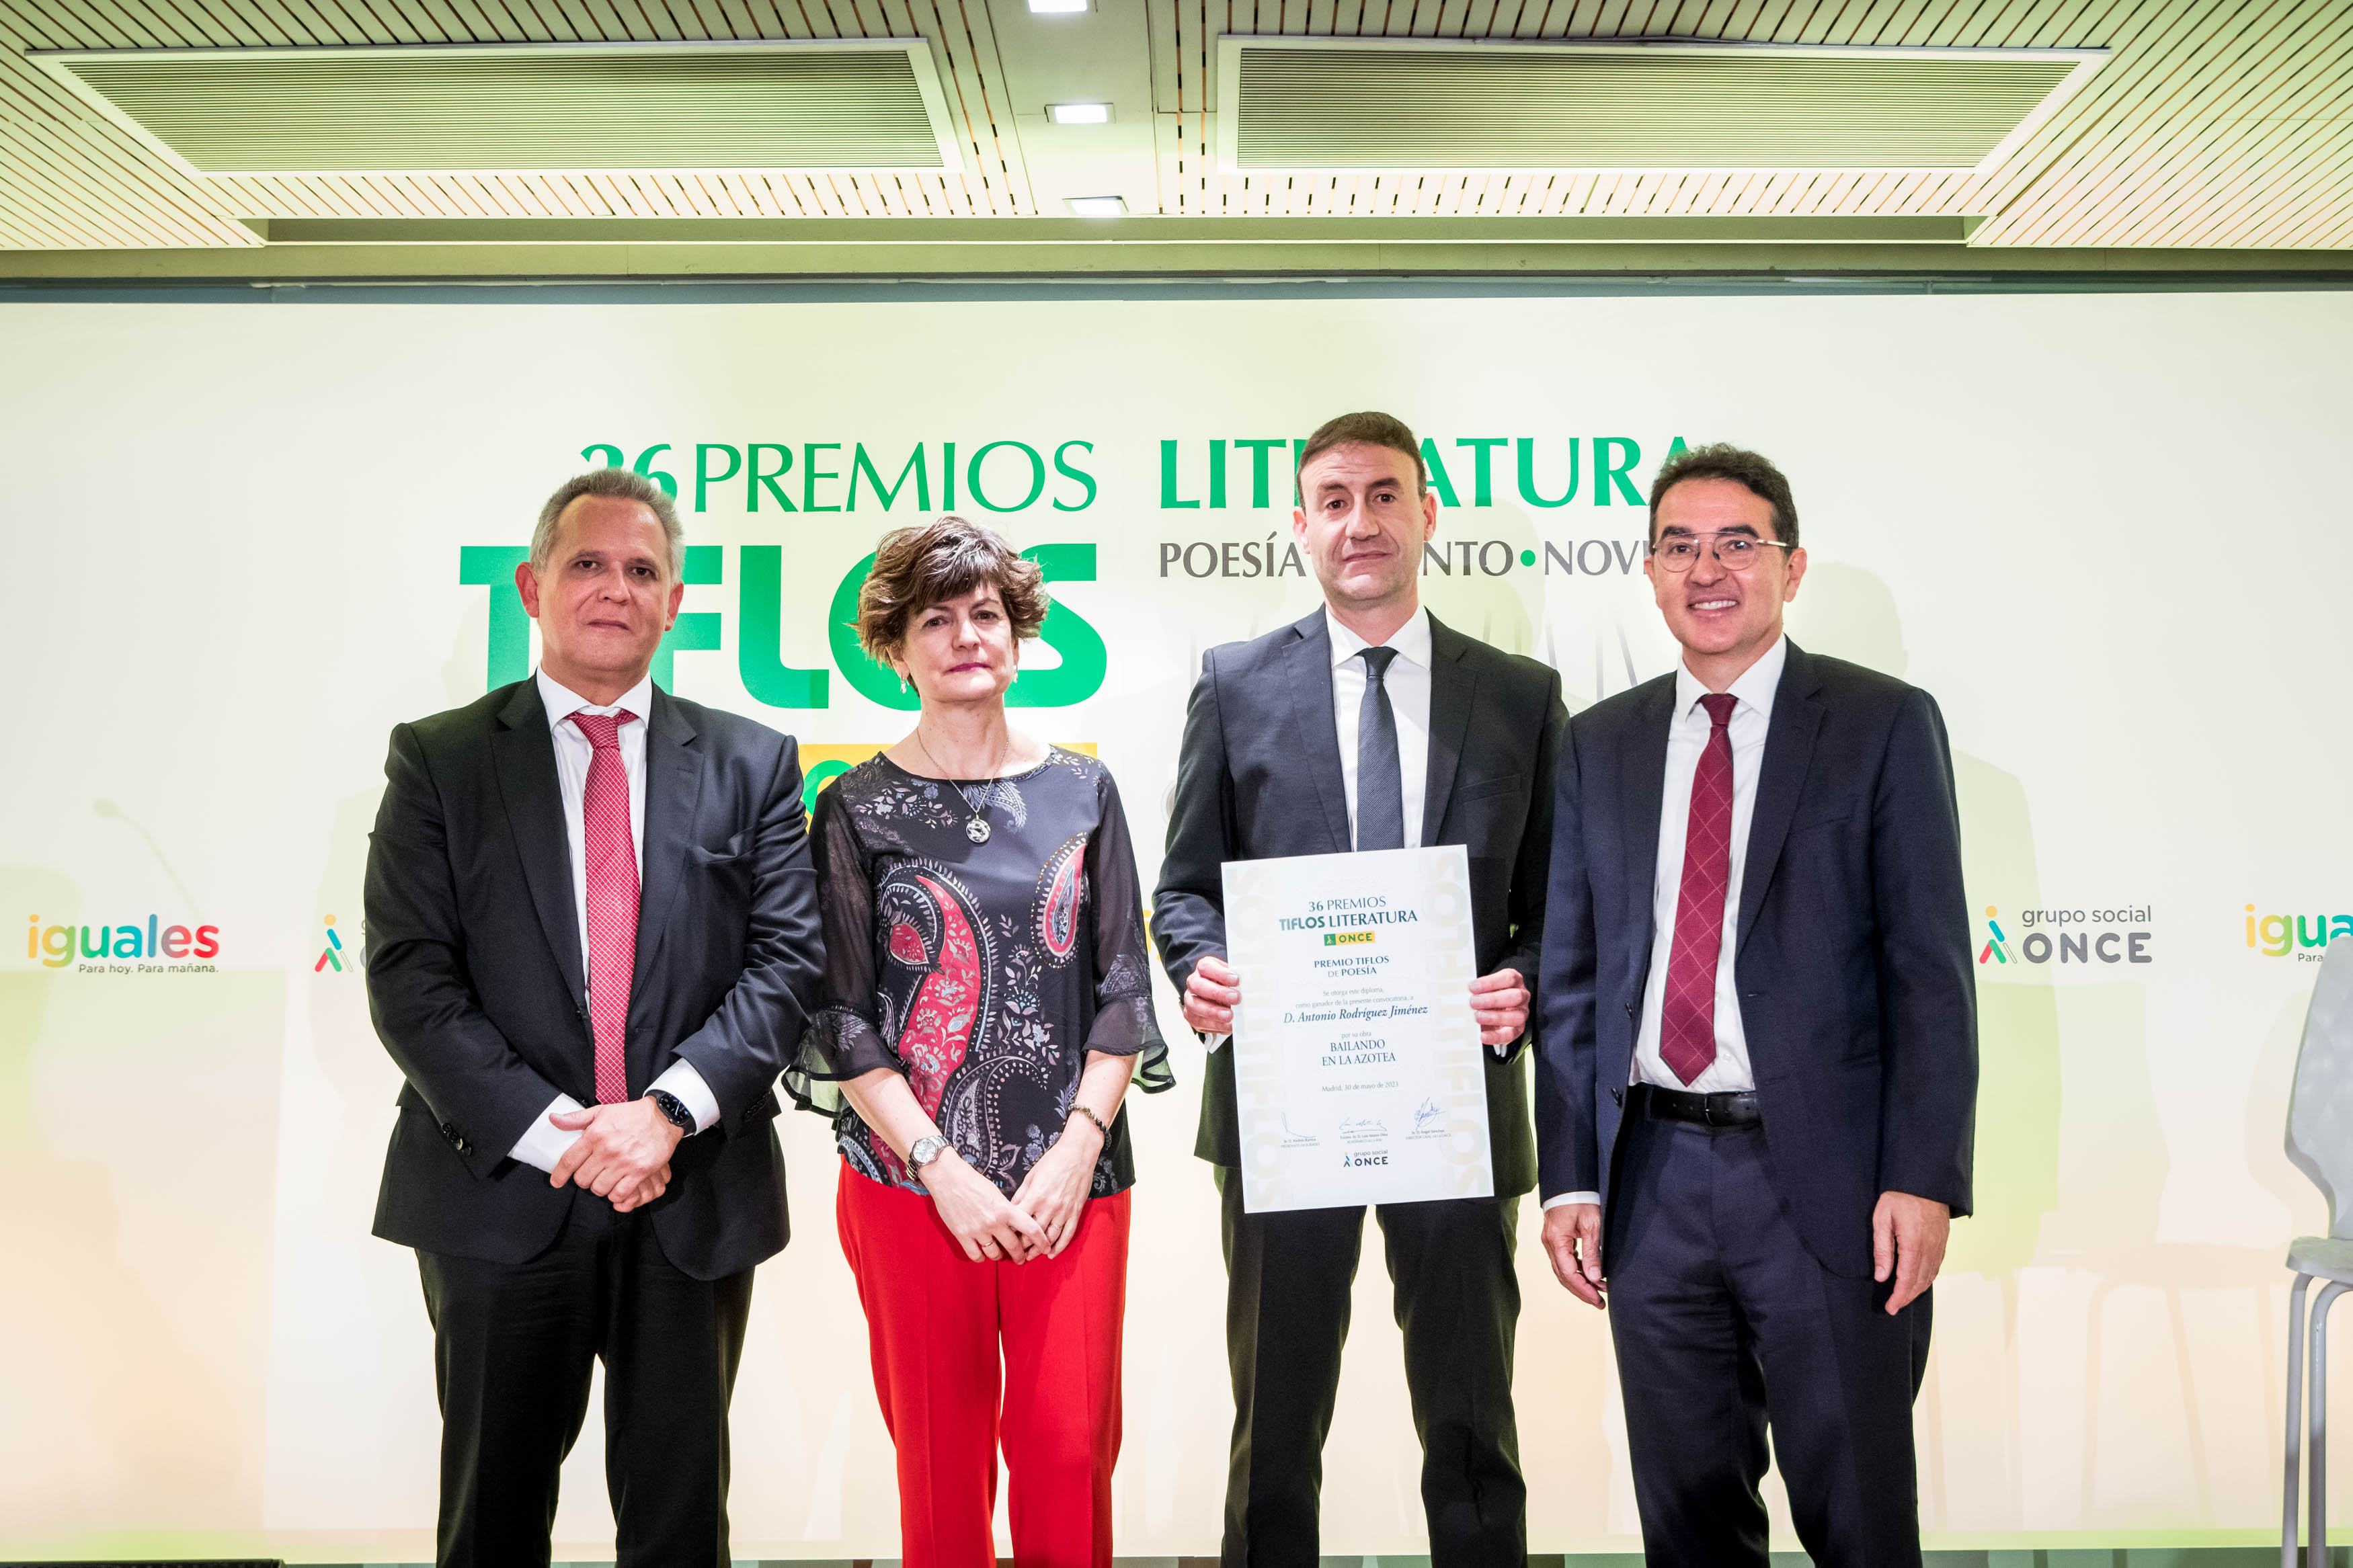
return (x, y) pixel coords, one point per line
(834, 104)
(1300, 103)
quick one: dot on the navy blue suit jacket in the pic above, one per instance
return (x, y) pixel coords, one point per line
(1852, 962)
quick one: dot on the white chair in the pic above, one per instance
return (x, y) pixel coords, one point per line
(2320, 1142)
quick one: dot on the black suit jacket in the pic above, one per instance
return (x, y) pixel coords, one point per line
(474, 972)
(1259, 778)
(1852, 962)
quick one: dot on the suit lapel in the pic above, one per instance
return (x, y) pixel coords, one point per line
(1643, 790)
(1780, 780)
(1453, 684)
(1307, 687)
(524, 757)
(673, 790)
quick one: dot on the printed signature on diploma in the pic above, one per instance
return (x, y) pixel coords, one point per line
(1425, 1113)
(1363, 1127)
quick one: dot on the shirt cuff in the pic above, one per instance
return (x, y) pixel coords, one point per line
(683, 1080)
(544, 1145)
(1557, 1199)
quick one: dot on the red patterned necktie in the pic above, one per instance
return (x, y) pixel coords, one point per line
(612, 861)
(1687, 1022)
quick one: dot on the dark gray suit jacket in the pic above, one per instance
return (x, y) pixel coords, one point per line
(474, 972)
(1853, 963)
(1259, 778)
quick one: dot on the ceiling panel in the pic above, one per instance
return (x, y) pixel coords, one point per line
(1388, 103)
(506, 107)
(2214, 122)
(71, 178)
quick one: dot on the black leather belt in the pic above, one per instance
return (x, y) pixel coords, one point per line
(1702, 1110)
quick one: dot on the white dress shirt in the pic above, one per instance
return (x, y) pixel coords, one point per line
(544, 1143)
(1751, 716)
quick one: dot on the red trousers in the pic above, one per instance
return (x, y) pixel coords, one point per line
(938, 1323)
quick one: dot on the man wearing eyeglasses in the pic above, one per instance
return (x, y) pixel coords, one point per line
(1756, 1073)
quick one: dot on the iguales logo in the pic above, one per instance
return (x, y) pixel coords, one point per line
(2306, 937)
(59, 945)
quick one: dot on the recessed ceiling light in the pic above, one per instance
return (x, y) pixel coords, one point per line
(1060, 7)
(1098, 206)
(1078, 113)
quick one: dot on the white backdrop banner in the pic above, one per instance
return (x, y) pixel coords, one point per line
(2098, 528)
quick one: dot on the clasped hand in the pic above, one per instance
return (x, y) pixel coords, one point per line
(1499, 1000)
(622, 1153)
(1040, 1218)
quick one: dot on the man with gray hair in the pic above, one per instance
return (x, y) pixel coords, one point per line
(593, 936)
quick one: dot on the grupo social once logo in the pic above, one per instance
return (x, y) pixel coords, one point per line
(333, 953)
(2083, 933)
(1996, 948)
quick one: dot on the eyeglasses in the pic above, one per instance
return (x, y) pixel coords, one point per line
(1734, 551)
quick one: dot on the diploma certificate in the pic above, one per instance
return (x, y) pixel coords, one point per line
(1358, 1072)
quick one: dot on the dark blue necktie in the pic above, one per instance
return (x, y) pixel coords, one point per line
(1380, 783)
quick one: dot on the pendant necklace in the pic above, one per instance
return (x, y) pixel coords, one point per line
(976, 826)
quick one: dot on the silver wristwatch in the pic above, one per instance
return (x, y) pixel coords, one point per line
(925, 1151)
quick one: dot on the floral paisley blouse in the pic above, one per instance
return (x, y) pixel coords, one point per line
(983, 972)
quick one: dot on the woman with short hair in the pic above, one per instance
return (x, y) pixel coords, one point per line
(987, 1002)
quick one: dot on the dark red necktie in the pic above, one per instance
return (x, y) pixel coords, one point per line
(1687, 1022)
(612, 861)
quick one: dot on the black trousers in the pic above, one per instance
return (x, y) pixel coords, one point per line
(1458, 1301)
(1725, 1324)
(515, 1346)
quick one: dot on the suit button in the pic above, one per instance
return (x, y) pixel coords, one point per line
(1630, 1010)
(1618, 1098)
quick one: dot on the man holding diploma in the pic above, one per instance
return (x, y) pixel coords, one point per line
(1368, 725)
